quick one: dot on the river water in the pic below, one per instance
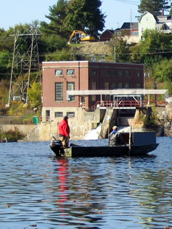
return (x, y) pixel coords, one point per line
(39, 191)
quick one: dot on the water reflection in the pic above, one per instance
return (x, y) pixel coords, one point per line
(38, 190)
(75, 196)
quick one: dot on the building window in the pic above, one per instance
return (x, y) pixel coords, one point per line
(71, 87)
(120, 73)
(127, 85)
(138, 85)
(71, 114)
(107, 73)
(119, 85)
(93, 73)
(47, 114)
(93, 85)
(138, 74)
(113, 85)
(93, 98)
(70, 72)
(82, 99)
(127, 73)
(58, 92)
(114, 73)
(58, 114)
(59, 72)
(106, 85)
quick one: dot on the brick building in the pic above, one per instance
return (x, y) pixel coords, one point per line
(60, 76)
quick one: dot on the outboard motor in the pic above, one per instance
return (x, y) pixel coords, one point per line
(56, 146)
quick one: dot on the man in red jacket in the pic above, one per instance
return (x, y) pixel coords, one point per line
(64, 131)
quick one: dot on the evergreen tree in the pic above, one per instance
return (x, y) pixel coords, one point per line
(57, 16)
(85, 15)
(153, 5)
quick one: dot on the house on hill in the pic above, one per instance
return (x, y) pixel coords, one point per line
(129, 29)
(107, 35)
(151, 20)
(129, 32)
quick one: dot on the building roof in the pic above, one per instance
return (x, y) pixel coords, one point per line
(120, 92)
(157, 16)
(110, 31)
(129, 25)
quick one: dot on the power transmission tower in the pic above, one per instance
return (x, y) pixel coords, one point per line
(24, 62)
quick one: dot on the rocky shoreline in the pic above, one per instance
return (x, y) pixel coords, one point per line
(165, 120)
(164, 126)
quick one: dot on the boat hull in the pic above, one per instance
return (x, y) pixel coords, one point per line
(104, 151)
(137, 144)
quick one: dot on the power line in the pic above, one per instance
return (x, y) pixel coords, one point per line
(132, 2)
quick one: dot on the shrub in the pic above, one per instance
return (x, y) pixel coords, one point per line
(150, 118)
(12, 135)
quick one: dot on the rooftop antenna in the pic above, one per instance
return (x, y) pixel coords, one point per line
(130, 22)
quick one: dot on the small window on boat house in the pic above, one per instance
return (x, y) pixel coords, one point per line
(71, 114)
(114, 72)
(120, 73)
(70, 72)
(59, 72)
(107, 72)
(93, 73)
(138, 74)
(113, 85)
(58, 114)
(58, 91)
(71, 87)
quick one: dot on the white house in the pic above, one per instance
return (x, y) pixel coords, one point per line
(149, 20)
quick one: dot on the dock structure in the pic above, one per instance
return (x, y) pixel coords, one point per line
(121, 98)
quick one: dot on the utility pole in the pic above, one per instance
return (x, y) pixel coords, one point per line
(114, 49)
(131, 22)
(23, 63)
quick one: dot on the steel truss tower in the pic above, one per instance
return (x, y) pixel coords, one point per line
(23, 64)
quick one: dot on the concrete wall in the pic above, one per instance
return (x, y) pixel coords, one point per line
(79, 126)
(25, 129)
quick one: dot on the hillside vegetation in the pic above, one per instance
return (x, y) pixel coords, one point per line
(99, 48)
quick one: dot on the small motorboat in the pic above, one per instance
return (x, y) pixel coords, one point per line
(138, 144)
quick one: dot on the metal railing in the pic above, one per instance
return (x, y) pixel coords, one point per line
(125, 103)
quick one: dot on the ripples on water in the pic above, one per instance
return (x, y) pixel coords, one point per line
(40, 191)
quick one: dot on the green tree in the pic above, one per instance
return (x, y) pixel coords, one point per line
(60, 55)
(6, 42)
(5, 64)
(34, 95)
(153, 45)
(51, 43)
(120, 49)
(168, 85)
(85, 15)
(162, 71)
(58, 13)
(153, 5)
